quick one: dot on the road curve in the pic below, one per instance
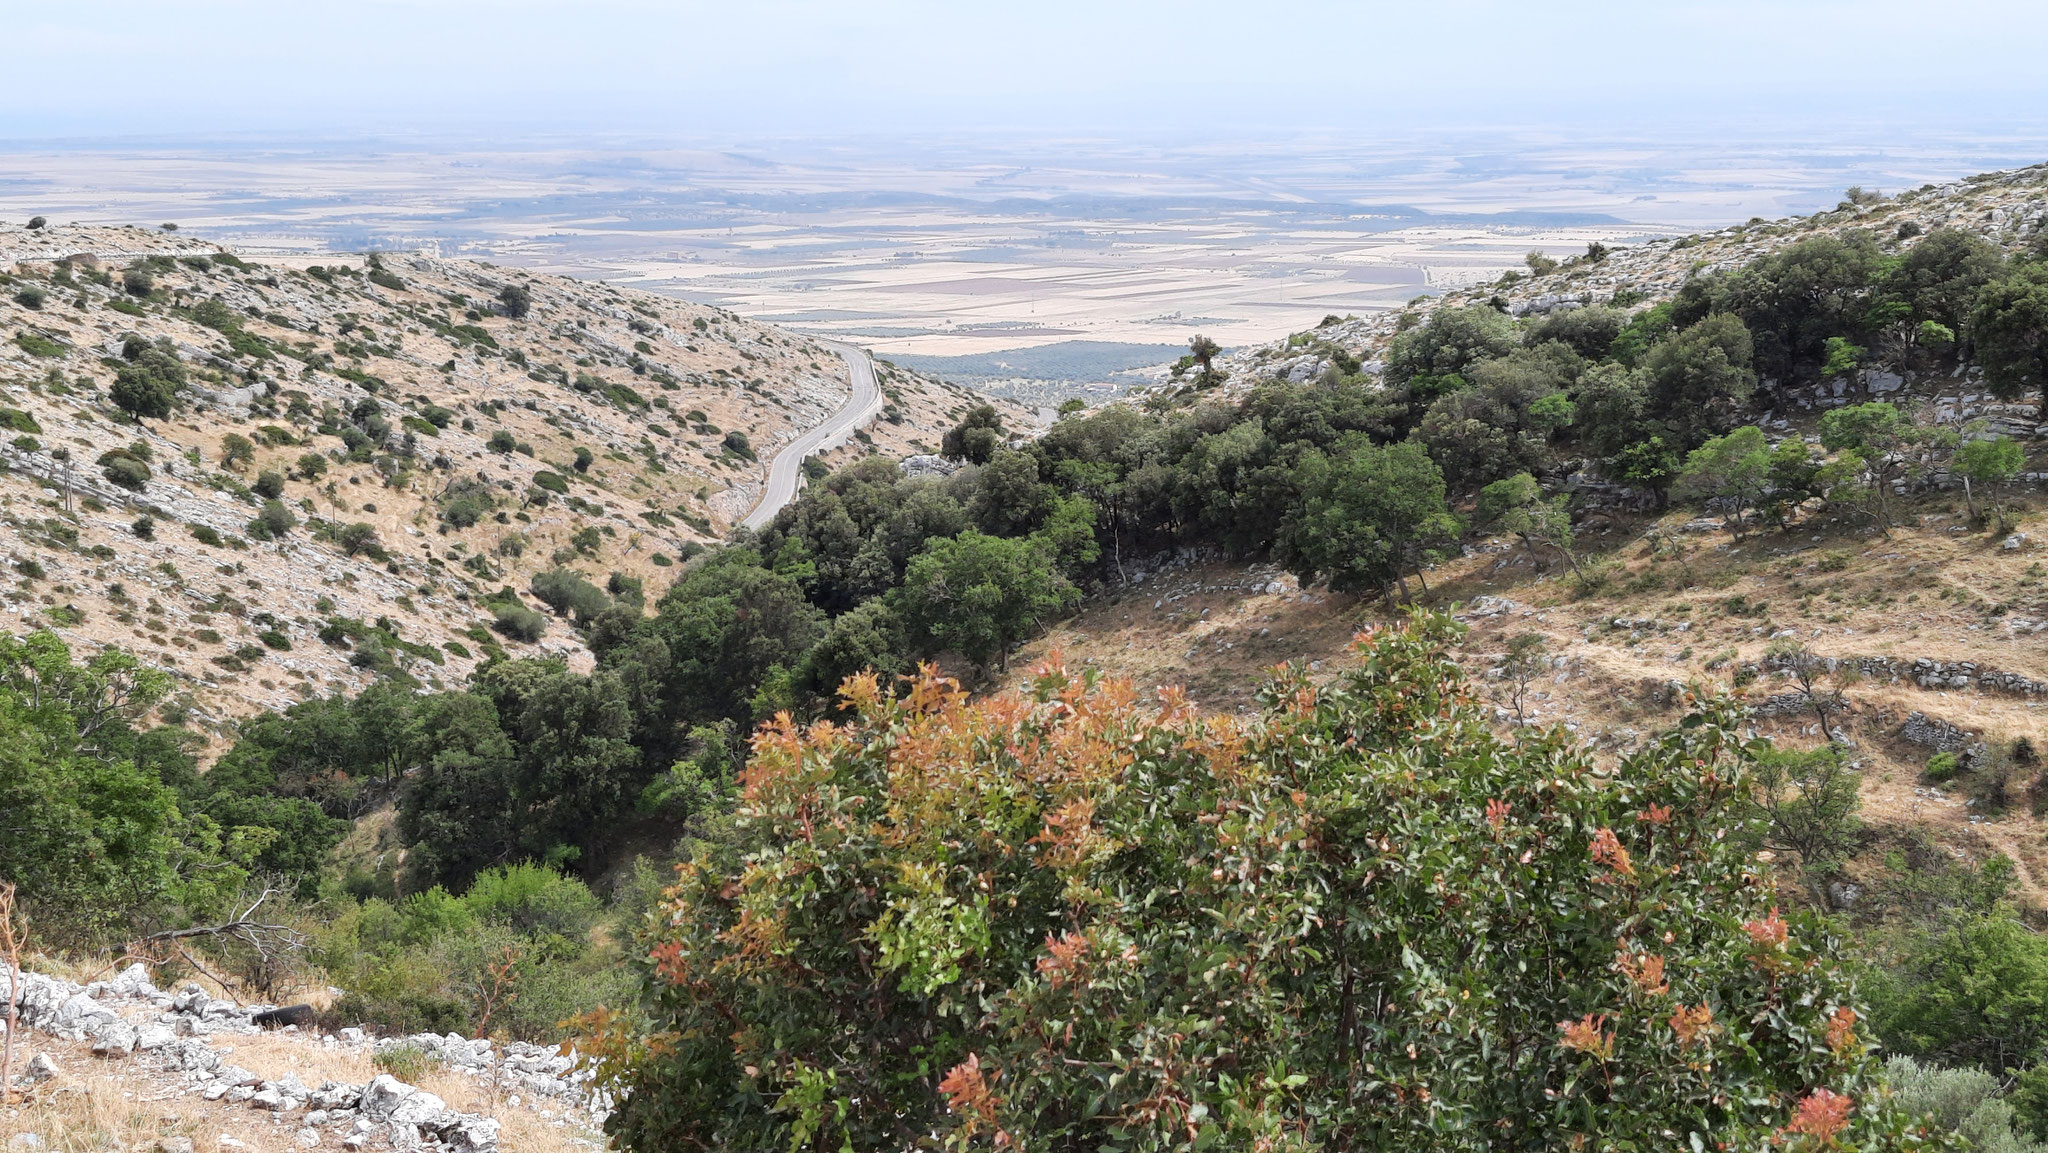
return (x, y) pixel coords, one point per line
(786, 471)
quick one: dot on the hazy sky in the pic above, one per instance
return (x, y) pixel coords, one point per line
(502, 68)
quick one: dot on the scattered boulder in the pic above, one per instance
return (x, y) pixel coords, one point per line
(111, 1036)
(393, 1101)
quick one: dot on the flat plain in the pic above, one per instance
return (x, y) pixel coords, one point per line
(973, 248)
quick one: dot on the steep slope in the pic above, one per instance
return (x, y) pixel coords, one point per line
(480, 424)
(1932, 631)
(2004, 207)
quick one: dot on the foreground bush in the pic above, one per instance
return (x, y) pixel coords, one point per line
(1066, 920)
(512, 957)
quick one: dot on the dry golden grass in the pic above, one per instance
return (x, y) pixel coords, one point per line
(1925, 591)
(101, 1104)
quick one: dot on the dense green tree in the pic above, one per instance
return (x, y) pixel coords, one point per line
(1449, 343)
(1793, 300)
(2009, 327)
(1319, 414)
(1369, 514)
(1517, 505)
(722, 628)
(1697, 381)
(981, 595)
(1877, 434)
(1971, 988)
(928, 511)
(459, 812)
(515, 300)
(535, 763)
(1610, 410)
(146, 387)
(1009, 497)
(96, 840)
(870, 638)
(1500, 425)
(576, 764)
(1939, 278)
(1987, 463)
(1590, 332)
(977, 437)
(1228, 487)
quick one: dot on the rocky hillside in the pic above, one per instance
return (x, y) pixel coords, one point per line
(1930, 631)
(118, 1064)
(360, 464)
(2004, 207)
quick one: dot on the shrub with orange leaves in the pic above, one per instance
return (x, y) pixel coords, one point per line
(1066, 918)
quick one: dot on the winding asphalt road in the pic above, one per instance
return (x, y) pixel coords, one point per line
(787, 469)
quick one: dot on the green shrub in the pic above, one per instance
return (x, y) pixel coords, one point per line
(273, 521)
(408, 1063)
(465, 502)
(1942, 767)
(551, 481)
(36, 344)
(125, 469)
(1967, 1102)
(501, 441)
(1043, 914)
(18, 421)
(534, 899)
(205, 534)
(357, 538)
(520, 623)
(31, 297)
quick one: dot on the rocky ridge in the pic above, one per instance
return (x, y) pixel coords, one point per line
(128, 1018)
(2004, 207)
(606, 430)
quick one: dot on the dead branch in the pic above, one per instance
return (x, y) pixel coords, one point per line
(10, 948)
(269, 941)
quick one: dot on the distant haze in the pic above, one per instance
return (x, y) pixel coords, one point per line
(667, 70)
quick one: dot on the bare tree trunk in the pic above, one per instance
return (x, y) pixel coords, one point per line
(10, 948)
